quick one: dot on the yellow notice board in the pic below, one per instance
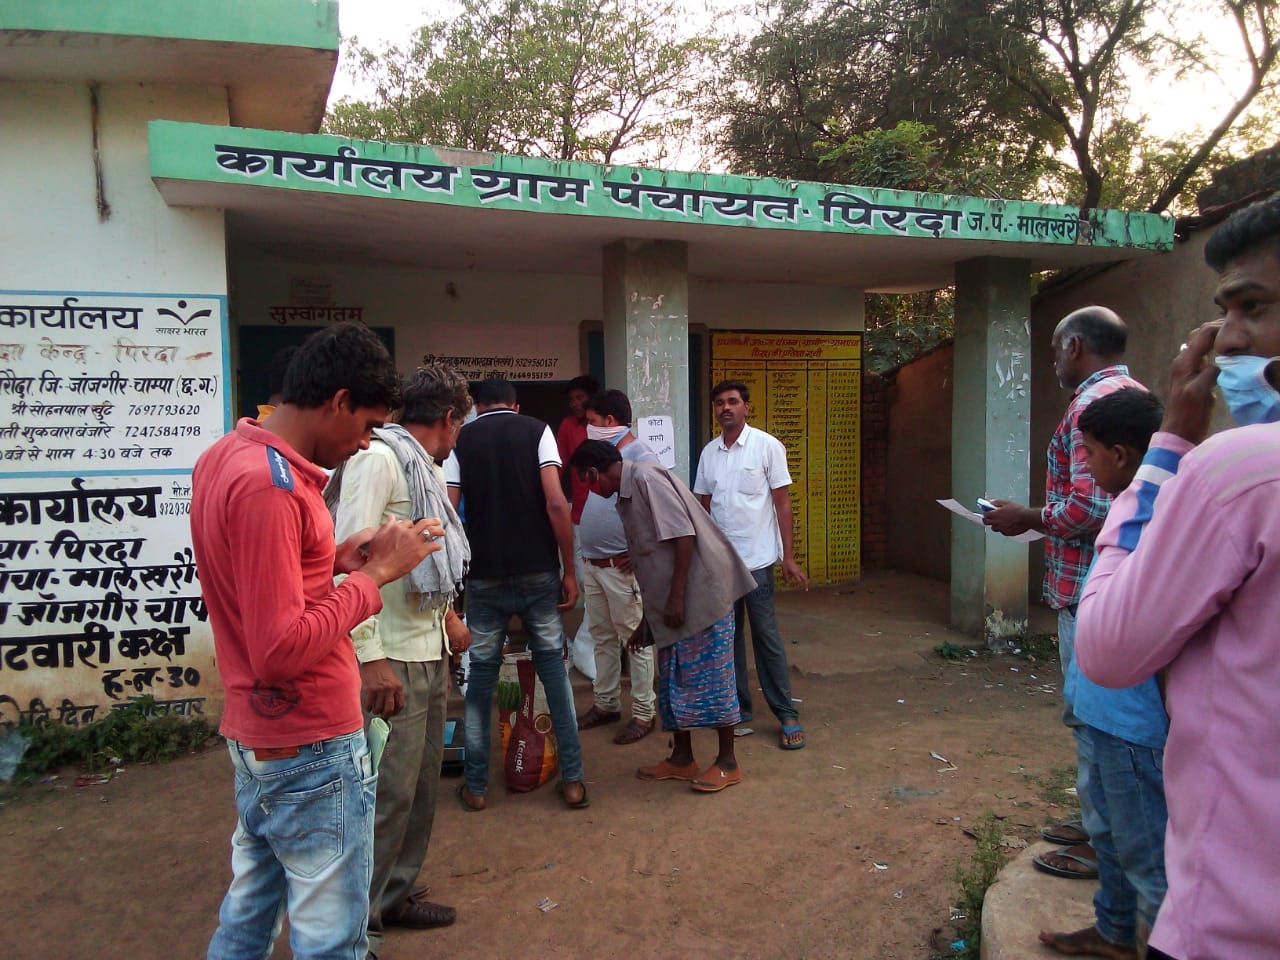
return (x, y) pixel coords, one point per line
(806, 390)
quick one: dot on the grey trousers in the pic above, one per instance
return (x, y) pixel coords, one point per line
(408, 785)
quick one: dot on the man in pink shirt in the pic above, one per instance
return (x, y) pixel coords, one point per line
(263, 540)
(1199, 602)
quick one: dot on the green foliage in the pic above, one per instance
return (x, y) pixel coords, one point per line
(1005, 98)
(561, 79)
(950, 651)
(903, 158)
(973, 879)
(849, 93)
(901, 327)
(1056, 789)
(1035, 647)
(133, 733)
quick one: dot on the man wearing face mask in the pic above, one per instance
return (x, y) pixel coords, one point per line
(1200, 603)
(609, 587)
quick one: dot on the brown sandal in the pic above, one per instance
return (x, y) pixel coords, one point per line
(634, 731)
(595, 717)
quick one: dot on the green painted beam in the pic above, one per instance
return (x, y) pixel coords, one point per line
(326, 164)
(292, 23)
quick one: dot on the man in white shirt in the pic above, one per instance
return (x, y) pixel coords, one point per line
(742, 480)
(403, 651)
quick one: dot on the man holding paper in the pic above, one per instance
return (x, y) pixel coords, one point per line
(1088, 346)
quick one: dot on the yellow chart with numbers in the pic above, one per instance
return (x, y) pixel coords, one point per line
(806, 390)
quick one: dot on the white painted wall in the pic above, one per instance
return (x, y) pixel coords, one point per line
(434, 310)
(52, 237)
(82, 652)
(476, 312)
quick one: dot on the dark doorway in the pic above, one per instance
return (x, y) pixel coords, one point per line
(259, 344)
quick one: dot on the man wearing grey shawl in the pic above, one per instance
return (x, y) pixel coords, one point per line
(404, 650)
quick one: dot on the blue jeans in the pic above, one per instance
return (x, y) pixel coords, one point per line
(305, 837)
(1067, 653)
(1126, 821)
(770, 655)
(490, 604)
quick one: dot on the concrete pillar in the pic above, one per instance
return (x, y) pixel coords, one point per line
(990, 439)
(646, 332)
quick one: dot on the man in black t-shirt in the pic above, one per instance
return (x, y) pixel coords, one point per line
(507, 467)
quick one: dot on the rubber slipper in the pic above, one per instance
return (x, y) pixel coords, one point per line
(666, 770)
(714, 779)
(1067, 833)
(463, 800)
(581, 804)
(1091, 865)
(789, 730)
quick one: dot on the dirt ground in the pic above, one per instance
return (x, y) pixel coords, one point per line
(842, 850)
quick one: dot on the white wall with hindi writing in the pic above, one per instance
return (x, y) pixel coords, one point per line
(55, 236)
(532, 320)
(113, 380)
(478, 314)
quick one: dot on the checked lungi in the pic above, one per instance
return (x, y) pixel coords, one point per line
(697, 686)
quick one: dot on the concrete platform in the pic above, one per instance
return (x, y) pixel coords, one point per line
(1023, 901)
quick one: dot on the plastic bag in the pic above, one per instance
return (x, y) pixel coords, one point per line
(524, 722)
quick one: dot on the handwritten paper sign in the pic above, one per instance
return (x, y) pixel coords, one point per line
(659, 435)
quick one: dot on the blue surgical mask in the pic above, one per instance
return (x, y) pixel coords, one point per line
(1250, 396)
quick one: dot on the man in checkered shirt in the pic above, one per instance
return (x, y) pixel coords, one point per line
(1088, 345)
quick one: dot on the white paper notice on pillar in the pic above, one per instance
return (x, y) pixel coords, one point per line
(659, 435)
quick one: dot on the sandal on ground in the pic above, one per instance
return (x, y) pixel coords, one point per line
(666, 770)
(1068, 833)
(792, 736)
(595, 717)
(715, 778)
(1081, 854)
(466, 804)
(580, 804)
(633, 731)
(419, 914)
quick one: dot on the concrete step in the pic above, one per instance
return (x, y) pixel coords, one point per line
(1023, 901)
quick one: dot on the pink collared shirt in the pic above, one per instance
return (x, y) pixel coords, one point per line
(1200, 598)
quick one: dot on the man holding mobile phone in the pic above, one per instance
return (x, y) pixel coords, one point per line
(263, 540)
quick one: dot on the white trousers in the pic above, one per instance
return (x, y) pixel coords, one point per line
(613, 613)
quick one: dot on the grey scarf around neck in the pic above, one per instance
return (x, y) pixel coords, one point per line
(437, 578)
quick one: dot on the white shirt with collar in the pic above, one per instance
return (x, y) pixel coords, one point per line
(740, 480)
